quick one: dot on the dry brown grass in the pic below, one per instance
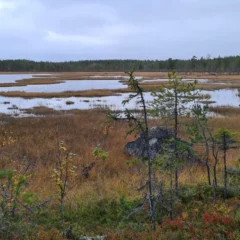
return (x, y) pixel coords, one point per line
(230, 81)
(194, 75)
(85, 93)
(36, 138)
(34, 73)
(47, 81)
(217, 86)
(64, 76)
(204, 86)
(226, 111)
(156, 75)
(26, 82)
(103, 92)
(41, 110)
(88, 93)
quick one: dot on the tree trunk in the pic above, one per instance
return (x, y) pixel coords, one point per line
(146, 134)
(161, 203)
(175, 141)
(171, 197)
(207, 161)
(225, 165)
(206, 152)
(214, 192)
(62, 216)
(208, 173)
(215, 173)
(225, 175)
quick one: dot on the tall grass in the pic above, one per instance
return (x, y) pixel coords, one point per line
(36, 139)
(109, 181)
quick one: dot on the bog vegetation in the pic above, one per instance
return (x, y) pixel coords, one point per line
(66, 177)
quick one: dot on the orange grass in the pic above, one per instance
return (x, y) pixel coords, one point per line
(85, 93)
(64, 76)
(36, 138)
(32, 81)
(101, 92)
(88, 93)
(226, 111)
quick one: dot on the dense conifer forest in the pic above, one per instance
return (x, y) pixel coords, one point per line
(229, 64)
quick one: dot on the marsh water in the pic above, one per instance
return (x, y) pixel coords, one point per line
(185, 80)
(11, 78)
(223, 97)
(69, 85)
(14, 105)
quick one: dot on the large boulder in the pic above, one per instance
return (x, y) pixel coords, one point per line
(158, 138)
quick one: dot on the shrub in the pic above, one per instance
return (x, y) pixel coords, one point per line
(69, 102)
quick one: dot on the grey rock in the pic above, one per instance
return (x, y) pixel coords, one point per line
(158, 136)
(94, 238)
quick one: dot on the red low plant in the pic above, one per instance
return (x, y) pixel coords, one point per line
(216, 218)
(174, 224)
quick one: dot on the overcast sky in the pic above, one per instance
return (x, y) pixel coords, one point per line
(57, 30)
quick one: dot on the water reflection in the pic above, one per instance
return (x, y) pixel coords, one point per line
(12, 78)
(223, 97)
(69, 85)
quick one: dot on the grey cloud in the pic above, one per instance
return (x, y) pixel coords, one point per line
(99, 29)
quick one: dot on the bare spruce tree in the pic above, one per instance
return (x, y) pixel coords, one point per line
(226, 141)
(198, 131)
(140, 124)
(172, 102)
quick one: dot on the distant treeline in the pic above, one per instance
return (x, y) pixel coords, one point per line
(212, 65)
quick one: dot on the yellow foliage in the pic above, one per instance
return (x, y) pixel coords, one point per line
(184, 215)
